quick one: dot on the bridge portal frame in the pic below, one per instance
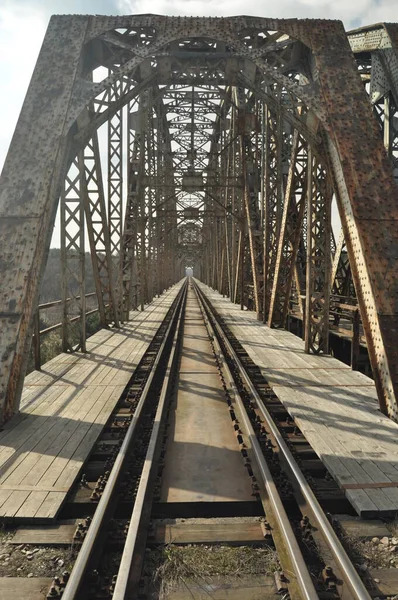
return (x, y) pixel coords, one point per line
(64, 108)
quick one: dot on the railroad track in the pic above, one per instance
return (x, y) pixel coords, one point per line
(313, 561)
(144, 429)
(338, 571)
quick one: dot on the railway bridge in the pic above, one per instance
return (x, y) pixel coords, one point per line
(234, 181)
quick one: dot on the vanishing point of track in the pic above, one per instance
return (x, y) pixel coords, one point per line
(247, 410)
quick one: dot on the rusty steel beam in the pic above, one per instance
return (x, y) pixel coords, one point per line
(30, 185)
(273, 201)
(364, 181)
(73, 258)
(319, 194)
(290, 234)
(115, 172)
(213, 208)
(247, 124)
(93, 200)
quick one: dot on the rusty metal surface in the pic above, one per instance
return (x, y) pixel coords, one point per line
(29, 186)
(368, 200)
(303, 76)
(290, 234)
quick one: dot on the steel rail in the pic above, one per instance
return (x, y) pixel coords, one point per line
(79, 569)
(344, 563)
(123, 581)
(304, 579)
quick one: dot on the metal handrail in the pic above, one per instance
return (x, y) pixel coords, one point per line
(37, 332)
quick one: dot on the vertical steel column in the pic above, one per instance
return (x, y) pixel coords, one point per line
(235, 206)
(73, 259)
(98, 233)
(273, 201)
(290, 234)
(160, 194)
(150, 203)
(318, 258)
(141, 202)
(115, 172)
(247, 124)
(128, 260)
(228, 221)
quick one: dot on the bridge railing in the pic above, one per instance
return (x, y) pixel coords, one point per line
(38, 333)
(345, 321)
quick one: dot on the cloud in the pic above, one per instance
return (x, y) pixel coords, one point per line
(350, 12)
(22, 31)
(382, 11)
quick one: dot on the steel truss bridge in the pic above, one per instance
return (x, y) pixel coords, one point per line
(227, 142)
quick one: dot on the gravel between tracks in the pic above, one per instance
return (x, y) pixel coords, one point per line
(25, 560)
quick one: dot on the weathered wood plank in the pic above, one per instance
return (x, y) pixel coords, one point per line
(335, 408)
(210, 532)
(21, 588)
(360, 528)
(61, 533)
(71, 470)
(31, 504)
(64, 410)
(50, 506)
(13, 503)
(387, 582)
(219, 588)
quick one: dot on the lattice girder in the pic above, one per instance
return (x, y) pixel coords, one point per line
(309, 60)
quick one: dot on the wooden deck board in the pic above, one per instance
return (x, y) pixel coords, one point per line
(335, 408)
(63, 411)
(24, 588)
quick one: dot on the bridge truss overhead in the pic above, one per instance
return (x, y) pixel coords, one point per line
(228, 139)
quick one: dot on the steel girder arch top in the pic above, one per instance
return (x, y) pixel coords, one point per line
(312, 60)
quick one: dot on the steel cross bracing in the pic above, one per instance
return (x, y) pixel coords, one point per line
(290, 235)
(319, 193)
(227, 142)
(115, 172)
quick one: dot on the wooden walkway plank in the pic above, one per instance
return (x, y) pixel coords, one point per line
(58, 428)
(63, 433)
(23, 588)
(76, 460)
(4, 495)
(335, 408)
(34, 429)
(65, 407)
(13, 503)
(50, 506)
(72, 454)
(31, 504)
